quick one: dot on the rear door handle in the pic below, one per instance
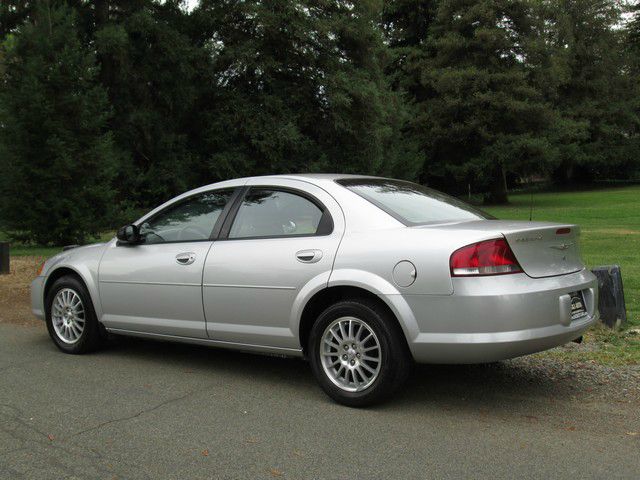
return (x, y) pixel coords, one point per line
(309, 256)
(186, 258)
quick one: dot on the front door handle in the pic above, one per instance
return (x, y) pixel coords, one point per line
(186, 258)
(309, 256)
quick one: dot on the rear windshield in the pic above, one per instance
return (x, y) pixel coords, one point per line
(412, 204)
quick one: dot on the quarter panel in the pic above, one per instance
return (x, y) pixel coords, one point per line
(360, 214)
(313, 286)
(387, 292)
(378, 252)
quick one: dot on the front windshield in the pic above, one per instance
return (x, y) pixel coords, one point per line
(411, 203)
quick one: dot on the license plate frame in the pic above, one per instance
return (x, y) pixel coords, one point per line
(578, 307)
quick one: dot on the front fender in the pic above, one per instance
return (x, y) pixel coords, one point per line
(84, 262)
(87, 276)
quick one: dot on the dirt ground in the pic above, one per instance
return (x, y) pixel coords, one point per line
(15, 303)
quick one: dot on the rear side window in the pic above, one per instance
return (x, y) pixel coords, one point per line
(412, 204)
(276, 213)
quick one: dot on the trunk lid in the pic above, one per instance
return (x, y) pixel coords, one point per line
(542, 249)
(547, 251)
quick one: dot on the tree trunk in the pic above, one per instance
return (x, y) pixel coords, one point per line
(498, 190)
(563, 175)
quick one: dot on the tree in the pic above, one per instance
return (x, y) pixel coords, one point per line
(58, 158)
(632, 51)
(154, 99)
(633, 36)
(477, 112)
(12, 14)
(593, 91)
(154, 75)
(406, 28)
(298, 86)
(406, 25)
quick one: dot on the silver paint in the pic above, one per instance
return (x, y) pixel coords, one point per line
(250, 293)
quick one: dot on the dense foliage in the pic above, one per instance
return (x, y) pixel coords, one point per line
(58, 160)
(110, 106)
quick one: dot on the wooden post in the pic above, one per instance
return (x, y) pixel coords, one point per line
(4, 258)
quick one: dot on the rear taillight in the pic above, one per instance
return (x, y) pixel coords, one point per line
(491, 257)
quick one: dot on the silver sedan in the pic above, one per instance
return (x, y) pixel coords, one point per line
(361, 275)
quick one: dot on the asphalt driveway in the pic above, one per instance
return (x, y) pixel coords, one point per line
(142, 409)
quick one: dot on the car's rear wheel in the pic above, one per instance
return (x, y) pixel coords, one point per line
(71, 319)
(358, 353)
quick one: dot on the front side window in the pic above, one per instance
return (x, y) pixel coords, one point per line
(411, 203)
(275, 213)
(190, 220)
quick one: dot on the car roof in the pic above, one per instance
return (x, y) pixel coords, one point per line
(314, 178)
(325, 181)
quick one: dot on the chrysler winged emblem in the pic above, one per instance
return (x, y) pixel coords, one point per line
(562, 246)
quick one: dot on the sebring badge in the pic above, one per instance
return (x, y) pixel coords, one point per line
(529, 239)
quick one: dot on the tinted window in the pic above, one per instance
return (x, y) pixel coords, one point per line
(412, 204)
(272, 213)
(187, 221)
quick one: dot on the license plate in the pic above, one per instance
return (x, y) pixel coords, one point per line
(578, 308)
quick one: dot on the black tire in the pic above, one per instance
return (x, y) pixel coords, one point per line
(92, 335)
(396, 361)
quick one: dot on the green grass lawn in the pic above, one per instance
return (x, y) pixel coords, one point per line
(610, 222)
(19, 250)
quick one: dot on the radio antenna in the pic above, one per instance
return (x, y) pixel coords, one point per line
(531, 205)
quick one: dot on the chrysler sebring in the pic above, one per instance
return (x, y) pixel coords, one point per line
(361, 275)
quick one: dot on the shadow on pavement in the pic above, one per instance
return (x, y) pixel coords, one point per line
(518, 380)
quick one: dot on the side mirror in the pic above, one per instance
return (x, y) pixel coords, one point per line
(129, 234)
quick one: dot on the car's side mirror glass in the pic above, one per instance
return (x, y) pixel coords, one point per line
(129, 234)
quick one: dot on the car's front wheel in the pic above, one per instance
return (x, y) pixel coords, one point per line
(358, 352)
(71, 319)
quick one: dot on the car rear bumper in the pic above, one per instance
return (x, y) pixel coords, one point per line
(37, 301)
(495, 318)
(491, 347)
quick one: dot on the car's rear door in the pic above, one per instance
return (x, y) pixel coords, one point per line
(278, 240)
(156, 286)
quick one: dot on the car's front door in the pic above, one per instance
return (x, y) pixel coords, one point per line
(156, 286)
(281, 238)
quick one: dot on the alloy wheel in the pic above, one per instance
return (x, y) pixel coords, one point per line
(68, 315)
(350, 354)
